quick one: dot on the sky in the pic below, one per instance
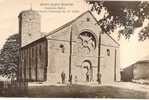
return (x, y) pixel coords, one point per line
(130, 50)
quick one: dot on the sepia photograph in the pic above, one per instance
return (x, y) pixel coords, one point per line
(74, 49)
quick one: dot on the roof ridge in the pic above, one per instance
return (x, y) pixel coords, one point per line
(112, 38)
(66, 24)
(105, 33)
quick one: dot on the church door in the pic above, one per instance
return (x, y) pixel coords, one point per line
(87, 71)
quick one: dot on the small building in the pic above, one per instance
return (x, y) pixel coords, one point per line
(127, 74)
(137, 71)
(79, 49)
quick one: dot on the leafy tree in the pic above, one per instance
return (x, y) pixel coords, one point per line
(128, 15)
(10, 56)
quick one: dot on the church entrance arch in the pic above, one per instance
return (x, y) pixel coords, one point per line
(87, 70)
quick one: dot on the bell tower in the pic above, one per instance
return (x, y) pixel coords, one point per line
(29, 26)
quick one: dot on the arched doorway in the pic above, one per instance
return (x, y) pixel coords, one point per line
(87, 70)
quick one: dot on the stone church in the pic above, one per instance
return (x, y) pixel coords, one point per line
(78, 49)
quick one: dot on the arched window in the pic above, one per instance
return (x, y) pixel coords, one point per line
(62, 48)
(87, 41)
(108, 52)
(87, 19)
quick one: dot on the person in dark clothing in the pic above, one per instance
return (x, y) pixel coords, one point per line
(99, 78)
(70, 79)
(63, 76)
(87, 76)
(76, 79)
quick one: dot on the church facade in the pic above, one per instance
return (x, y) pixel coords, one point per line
(78, 49)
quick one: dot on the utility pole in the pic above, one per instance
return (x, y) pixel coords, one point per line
(98, 69)
(70, 56)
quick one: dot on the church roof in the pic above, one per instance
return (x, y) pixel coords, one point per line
(69, 23)
(61, 27)
(34, 42)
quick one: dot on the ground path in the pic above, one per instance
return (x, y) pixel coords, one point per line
(93, 90)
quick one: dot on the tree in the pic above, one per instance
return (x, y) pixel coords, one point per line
(128, 15)
(10, 56)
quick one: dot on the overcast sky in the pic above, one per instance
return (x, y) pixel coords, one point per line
(131, 50)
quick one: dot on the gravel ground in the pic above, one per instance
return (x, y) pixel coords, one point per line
(125, 90)
(81, 91)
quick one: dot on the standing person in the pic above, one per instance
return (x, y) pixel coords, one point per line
(99, 78)
(63, 77)
(87, 76)
(70, 80)
(76, 79)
